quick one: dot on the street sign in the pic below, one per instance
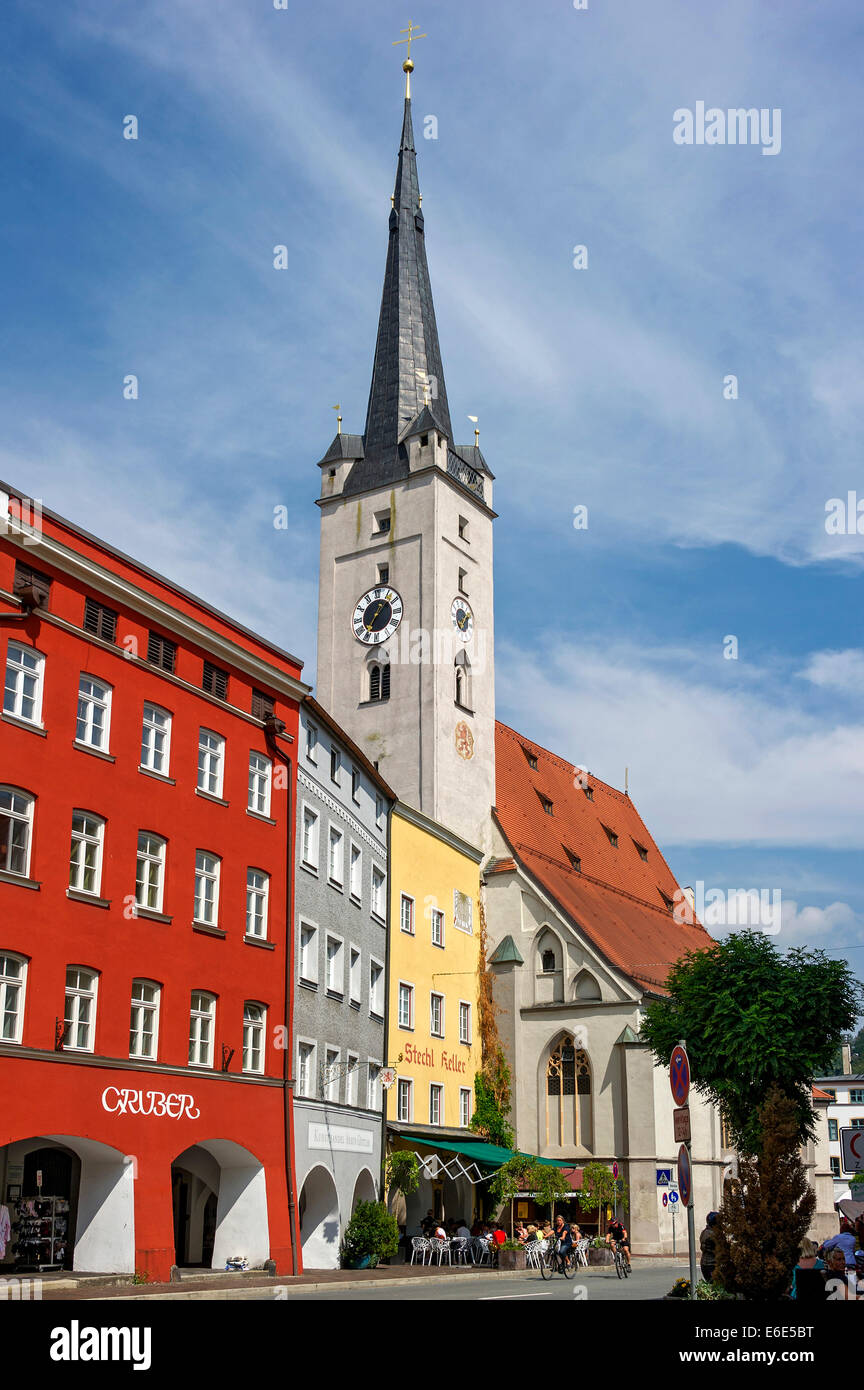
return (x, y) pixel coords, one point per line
(852, 1145)
(615, 1170)
(685, 1177)
(665, 1199)
(673, 1198)
(679, 1075)
(664, 1177)
(387, 1076)
(681, 1124)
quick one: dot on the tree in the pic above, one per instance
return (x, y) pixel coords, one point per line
(599, 1190)
(752, 1020)
(766, 1212)
(522, 1173)
(492, 1104)
(372, 1232)
(402, 1172)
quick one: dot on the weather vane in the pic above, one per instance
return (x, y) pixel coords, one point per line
(408, 65)
(337, 408)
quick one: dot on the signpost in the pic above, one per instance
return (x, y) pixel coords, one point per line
(664, 1177)
(852, 1146)
(679, 1082)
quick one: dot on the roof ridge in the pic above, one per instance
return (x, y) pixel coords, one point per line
(564, 762)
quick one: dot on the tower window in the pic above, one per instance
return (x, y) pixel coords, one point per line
(463, 575)
(383, 574)
(463, 528)
(424, 440)
(379, 682)
(382, 523)
(548, 962)
(462, 678)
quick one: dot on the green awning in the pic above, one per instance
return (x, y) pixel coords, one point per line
(491, 1154)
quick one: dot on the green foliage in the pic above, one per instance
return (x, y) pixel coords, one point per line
(141, 1276)
(754, 1019)
(766, 1212)
(371, 1232)
(680, 1289)
(522, 1173)
(512, 1245)
(599, 1189)
(402, 1173)
(710, 1293)
(492, 1104)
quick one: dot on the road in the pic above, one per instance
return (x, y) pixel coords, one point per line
(590, 1285)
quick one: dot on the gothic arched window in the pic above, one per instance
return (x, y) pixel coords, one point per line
(379, 681)
(568, 1076)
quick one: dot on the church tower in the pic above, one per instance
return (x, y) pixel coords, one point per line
(405, 605)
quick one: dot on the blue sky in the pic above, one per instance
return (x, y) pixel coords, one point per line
(601, 387)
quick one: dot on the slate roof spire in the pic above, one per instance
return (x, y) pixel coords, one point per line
(407, 373)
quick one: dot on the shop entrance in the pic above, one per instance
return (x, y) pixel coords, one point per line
(219, 1206)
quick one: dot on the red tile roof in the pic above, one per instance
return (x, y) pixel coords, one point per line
(821, 1095)
(618, 899)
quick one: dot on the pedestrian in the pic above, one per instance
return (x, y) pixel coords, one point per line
(808, 1284)
(708, 1246)
(845, 1241)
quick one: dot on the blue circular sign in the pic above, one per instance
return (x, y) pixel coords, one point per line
(679, 1075)
(673, 1197)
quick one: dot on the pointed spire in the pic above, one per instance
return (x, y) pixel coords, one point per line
(407, 372)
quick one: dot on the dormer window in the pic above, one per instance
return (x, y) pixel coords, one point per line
(667, 902)
(575, 861)
(531, 757)
(589, 792)
(611, 836)
(546, 804)
(641, 850)
(424, 440)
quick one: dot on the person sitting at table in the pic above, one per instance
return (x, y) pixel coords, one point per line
(499, 1235)
(520, 1231)
(462, 1229)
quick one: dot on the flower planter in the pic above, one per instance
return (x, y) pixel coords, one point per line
(511, 1259)
(601, 1257)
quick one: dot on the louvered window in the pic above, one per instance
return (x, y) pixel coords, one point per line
(262, 704)
(26, 577)
(99, 620)
(161, 651)
(215, 681)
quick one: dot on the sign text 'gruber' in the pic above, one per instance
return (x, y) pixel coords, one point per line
(425, 1057)
(133, 1103)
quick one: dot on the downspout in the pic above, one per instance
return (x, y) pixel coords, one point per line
(272, 728)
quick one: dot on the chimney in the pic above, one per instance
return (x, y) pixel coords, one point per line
(846, 1055)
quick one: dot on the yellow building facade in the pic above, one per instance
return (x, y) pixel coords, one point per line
(434, 1040)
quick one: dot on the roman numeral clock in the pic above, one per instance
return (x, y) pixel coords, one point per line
(377, 615)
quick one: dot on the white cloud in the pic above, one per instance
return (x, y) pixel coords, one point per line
(841, 671)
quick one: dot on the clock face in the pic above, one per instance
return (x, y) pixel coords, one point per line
(462, 618)
(377, 615)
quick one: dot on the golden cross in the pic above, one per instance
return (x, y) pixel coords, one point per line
(408, 65)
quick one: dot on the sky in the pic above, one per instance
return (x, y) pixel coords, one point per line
(604, 387)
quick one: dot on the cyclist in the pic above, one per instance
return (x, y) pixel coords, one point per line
(564, 1236)
(617, 1232)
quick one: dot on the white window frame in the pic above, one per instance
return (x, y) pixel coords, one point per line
(15, 695)
(331, 1083)
(254, 1037)
(211, 762)
(260, 781)
(409, 1026)
(410, 930)
(337, 972)
(466, 1004)
(149, 857)
(75, 994)
(405, 1088)
(314, 838)
(379, 894)
(257, 904)
(150, 733)
(309, 959)
(335, 765)
(197, 1016)
(433, 1031)
(312, 744)
(352, 1077)
(98, 697)
(81, 840)
(373, 1084)
(307, 1086)
(8, 984)
(464, 1107)
(139, 1008)
(376, 992)
(335, 859)
(436, 1091)
(436, 914)
(355, 974)
(355, 872)
(208, 870)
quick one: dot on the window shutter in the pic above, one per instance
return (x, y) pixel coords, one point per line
(99, 620)
(262, 704)
(375, 683)
(215, 681)
(26, 577)
(161, 651)
(385, 683)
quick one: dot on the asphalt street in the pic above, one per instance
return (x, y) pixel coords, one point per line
(589, 1285)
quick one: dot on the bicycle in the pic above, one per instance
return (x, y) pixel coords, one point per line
(622, 1264)
(553, 1262)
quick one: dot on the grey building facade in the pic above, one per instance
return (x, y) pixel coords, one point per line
(340, 981)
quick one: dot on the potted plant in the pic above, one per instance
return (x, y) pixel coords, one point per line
(371, 1235)
(511, 1255)
(599, 1252)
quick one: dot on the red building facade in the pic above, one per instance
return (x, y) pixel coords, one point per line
(147, 777)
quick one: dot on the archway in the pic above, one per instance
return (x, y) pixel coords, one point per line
(220, 1205)
(364, 1189)
(319, 1221)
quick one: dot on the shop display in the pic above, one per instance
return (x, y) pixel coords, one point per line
(39, 1233)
